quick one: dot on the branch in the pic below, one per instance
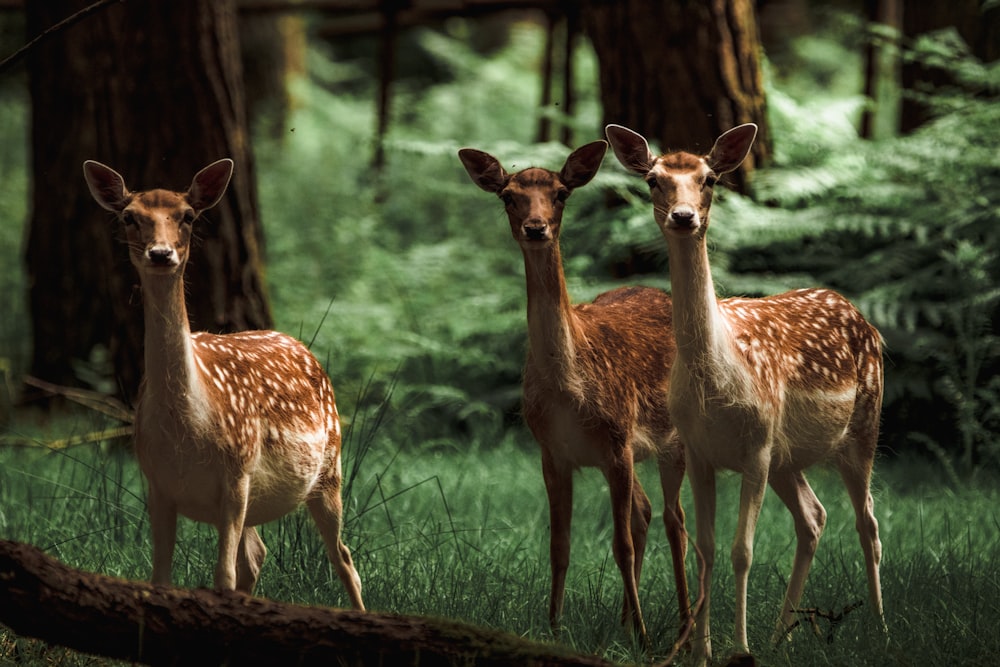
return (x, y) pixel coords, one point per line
(162, 625)
(107, 405)
(13, 58)
(813, 613)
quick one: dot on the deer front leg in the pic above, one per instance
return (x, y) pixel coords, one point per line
(671, 478)
(233, 512)
(642, 514)
(163, 524)
(702, 478)
(621, 477)
(752, 490)
(559, 486)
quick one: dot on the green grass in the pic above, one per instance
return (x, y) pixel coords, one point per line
(463, 533)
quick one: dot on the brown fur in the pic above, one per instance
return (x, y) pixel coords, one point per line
(232, 430)
(595, 380)
(766, 387)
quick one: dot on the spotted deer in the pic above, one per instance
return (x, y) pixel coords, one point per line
(595, 380)
(766, 387)
(233, 430)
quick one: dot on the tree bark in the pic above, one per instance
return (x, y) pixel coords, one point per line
(161, 625)
(681, 72)
(154, 89)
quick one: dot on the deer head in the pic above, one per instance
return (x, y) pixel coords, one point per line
(158, 222)
(680, 183)
(534, 198)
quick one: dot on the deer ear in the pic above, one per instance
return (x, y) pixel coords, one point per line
(731, 148)
(106, 186)
(210, 184)
(484, 169)
(630, 148)
(582, 164)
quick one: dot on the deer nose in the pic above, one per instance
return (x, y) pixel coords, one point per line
(161, 255)
(535, 230)
(683, 216)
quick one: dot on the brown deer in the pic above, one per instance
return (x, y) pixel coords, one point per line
(595, 380)
(232, 430)
(765, 387)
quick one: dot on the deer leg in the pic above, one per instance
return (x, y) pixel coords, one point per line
(702, 477)
(671, 478)
(642, 514)
(233, 516)
(858, 480)
(752, 490)
(326, 509)
(810, 519)
(621, 476)
(249, 559)
(163, 523)
(559, 487)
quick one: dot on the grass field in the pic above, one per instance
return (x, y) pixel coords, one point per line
(462, 532)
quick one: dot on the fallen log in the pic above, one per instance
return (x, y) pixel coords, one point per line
(162, 625)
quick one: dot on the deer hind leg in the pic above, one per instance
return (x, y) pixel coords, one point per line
(810, 519)
(857, 479)
(249, 559)
(671, 478)
(621, 480)
(559, 487)
(327, 511)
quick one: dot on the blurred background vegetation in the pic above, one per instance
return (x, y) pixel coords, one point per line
(406, 283)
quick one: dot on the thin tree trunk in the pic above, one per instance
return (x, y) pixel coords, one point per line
(161, 625)
(154, 89)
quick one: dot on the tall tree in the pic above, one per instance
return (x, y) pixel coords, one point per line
(680, 71)
(155, 88)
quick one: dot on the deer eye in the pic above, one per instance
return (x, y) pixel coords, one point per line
(129, 219)
(507, 198)
(188, 217)
(562, 195)
(711, 179)
(651, 182)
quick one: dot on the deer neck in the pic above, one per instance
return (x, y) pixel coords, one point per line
(704, 341)
(551, 322)
(169, 352)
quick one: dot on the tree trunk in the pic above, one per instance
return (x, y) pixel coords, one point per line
(154, 89)
(161, 625)
(681, 71)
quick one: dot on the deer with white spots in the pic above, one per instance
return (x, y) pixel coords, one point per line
(595, 380)
(233, 430)
(765, 387)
